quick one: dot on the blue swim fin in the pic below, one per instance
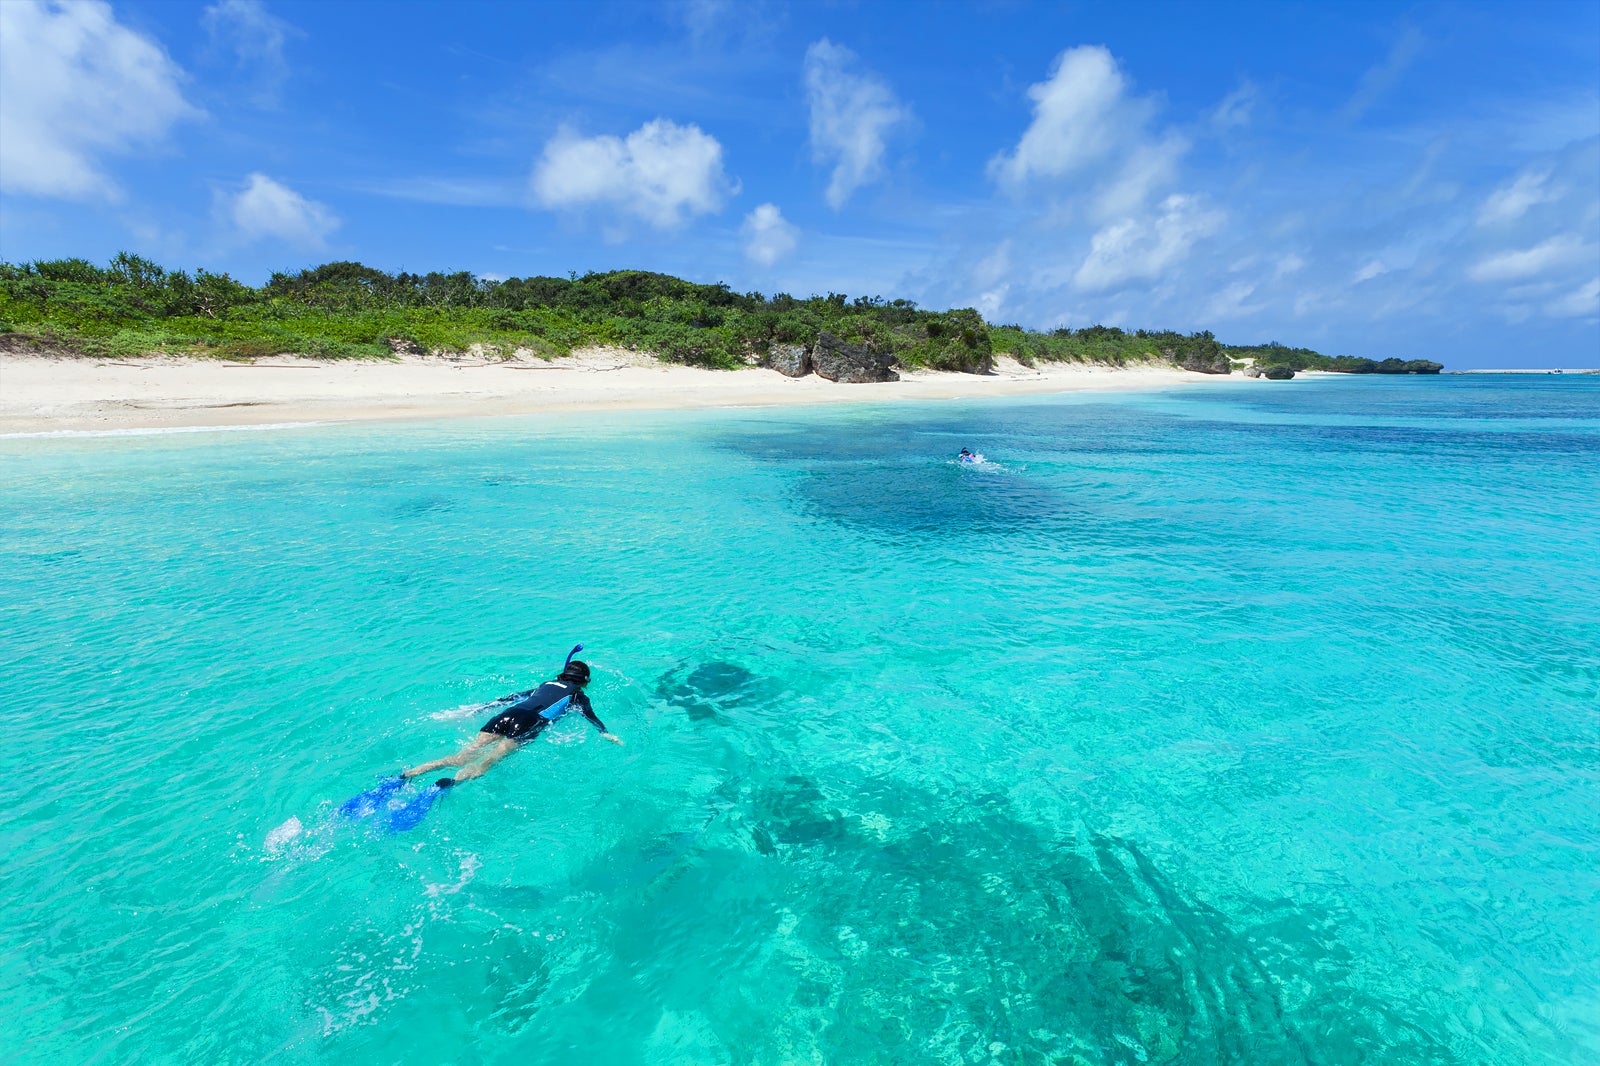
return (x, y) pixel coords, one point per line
(373, 799)
(408, 815)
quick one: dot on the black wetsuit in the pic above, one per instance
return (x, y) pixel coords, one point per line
(533, 710)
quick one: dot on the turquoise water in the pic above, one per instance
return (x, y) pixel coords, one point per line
(1236, 724)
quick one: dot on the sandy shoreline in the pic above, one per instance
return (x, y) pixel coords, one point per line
(42, 394)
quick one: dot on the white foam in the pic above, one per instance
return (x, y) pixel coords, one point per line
(157, 431)
(461, 713)
(284, 834)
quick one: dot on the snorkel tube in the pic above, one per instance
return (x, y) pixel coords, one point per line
(576, 648)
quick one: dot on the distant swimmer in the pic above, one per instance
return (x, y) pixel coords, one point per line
(527, 716)
(970, 457)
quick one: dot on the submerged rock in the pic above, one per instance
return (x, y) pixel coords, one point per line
(841, 361)
(711, 689)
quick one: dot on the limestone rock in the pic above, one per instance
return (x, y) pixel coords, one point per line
(1278, 373)
(405, 346)
(790, 360)
(1216, 364)
(837, 360)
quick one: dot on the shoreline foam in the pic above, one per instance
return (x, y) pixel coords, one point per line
(41, 394)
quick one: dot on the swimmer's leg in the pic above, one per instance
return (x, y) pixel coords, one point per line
(460, 758)
(496, 753)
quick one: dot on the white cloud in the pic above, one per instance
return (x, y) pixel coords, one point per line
(1145, 248)
(1578, 303)
(76, 85)
(662, 173)
(1088, 130)
(989, 275)
(1370, 270)
(256, 38)
(1553, 254)
(1510, 202)
(993, 268)
(1289, 264)
(1235, 107)
(268, 209)
(1149, 167)
(1230, 302)
(768, 236)
(851, 114)
(705, 17)
(1380, 79)
(1075, 118)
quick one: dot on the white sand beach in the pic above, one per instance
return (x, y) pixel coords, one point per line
(42, 393)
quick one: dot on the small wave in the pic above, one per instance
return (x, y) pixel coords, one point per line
(983, 465)
(463, 712)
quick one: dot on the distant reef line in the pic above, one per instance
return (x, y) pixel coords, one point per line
(345, 310)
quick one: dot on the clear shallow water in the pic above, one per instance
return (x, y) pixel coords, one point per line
(1230, 724)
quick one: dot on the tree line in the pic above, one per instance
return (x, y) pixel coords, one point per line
(133, 306)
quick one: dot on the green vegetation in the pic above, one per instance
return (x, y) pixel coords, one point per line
(347, 310)
(1275, 354)
(1104, 344)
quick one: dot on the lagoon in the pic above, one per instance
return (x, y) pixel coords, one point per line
(1197, 726)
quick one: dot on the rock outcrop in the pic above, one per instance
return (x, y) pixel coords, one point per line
(790, 360)
(404, 346)
(1252, 371)
(840, 361)
(1202, 364)
(1396, 366)
(1277, 373)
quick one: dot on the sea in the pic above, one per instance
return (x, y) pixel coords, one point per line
(1246, 723)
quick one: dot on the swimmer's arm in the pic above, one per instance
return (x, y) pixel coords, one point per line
(588, 712)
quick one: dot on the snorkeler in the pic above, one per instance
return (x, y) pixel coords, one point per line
(969, 457)
(526, 717)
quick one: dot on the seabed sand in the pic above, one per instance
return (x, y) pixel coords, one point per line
(43, 393)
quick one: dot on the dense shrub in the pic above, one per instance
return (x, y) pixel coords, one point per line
(349, 310)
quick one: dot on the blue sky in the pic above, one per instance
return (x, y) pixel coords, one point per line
(1370, 179)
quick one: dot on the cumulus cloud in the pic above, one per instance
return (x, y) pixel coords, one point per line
(662, 173)
(268, 209)
(1145, 248)
(852, 112)
(768, 236)
(1510, 202)
(1553, 254)
(1090, 136)
(256, 37)
(76, 85)
(1076, 114)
